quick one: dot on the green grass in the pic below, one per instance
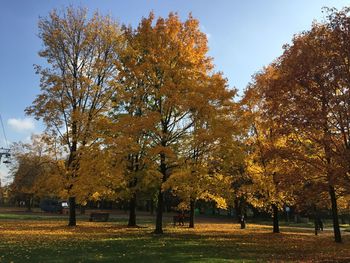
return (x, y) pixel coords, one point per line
(30, 217)
(326, 223)
(126, 249)
(84, 218)
(50, 240)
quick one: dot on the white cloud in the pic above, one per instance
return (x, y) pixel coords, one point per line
(4, 175)
(21, 125)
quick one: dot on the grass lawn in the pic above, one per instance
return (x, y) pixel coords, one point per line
(33, 240)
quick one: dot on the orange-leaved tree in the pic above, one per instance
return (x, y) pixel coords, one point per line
(76, 83)
(310, 98)
(264, 165)
(168, 61)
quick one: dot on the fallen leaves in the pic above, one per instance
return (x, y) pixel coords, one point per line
(43, 241)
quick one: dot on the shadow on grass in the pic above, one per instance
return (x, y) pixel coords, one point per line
(147, 248)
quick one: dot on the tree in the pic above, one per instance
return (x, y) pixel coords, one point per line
(199, 177)
(36, 172)
(264, 164)
(103, 174)
(193, 182)
(168, 60)
(309, 98)
(120, 162)
(76, 85)
(128, 129)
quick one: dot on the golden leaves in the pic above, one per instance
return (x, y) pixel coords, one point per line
(195, 183)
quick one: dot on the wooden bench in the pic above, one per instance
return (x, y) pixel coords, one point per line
(180, 219)
(99, 217)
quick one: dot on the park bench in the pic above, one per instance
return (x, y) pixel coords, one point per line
(180, 219)
(99, 217)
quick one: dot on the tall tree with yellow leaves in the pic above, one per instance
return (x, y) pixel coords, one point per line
(76, 85)
(263, 165)
(198, 176)
(168, 59)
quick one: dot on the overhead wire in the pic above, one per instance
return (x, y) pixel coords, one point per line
(3, 130)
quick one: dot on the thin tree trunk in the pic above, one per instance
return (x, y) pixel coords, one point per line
(159, 217)
(336, 229)
(82, 209)
(242, 216)
(316, 227)
(242, 222)
(152, 207)
(72, 166)
(29, 203)
(72, 217)
(237, 210)
(132, 212)
(316, 221)
(276, 227)
(192, 207)
(330, 175)
(160, 205)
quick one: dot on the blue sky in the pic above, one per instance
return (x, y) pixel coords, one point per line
(243, 37)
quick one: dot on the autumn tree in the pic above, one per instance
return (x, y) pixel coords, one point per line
(198, 176)
(123, 153)
(35, 170)
(338, 23)
(229, 158)
(128, 129)
(76, 83)
(309, 98)
(102, 169)
(263, 164)
(168, 59)
(197, 180)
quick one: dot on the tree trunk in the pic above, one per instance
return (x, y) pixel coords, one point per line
(159, 217)
(160, 205)
(336, 229)
(82, 209)
(152, 207)
(72, 217)
(330, 176)
(192, 207)
(72, 165)
(237, 210)
(29, 203)
(242, 221)
(316, 221)
(276, 227)
(132, 212)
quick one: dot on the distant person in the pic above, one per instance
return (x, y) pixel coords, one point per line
(320, 224)
(242, 221)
